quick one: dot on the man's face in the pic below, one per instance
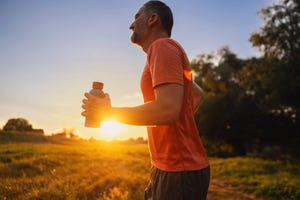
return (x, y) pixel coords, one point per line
(139, 27)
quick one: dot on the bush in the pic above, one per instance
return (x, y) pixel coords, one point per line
(280, 190)
(271, 153)
(218, 149)
(17, 124)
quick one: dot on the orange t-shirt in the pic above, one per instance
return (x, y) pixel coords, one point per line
(175, 147)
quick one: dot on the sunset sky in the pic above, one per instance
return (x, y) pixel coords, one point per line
(52, 50)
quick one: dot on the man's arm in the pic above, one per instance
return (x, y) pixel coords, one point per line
(197, 94)
(164, 110)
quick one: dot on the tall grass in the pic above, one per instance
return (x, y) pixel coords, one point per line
(80, 171)
(118, 171)
(274, 180)
(8, 136)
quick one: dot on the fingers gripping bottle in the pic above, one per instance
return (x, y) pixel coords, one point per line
(98, 92)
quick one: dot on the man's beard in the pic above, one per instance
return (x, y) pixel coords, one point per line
(135, 38)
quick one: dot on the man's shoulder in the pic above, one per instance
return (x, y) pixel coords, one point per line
(162, 44)
(165, 41)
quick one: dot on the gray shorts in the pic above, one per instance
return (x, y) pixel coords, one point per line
(185, 185)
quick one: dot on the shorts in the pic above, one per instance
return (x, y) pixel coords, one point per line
(185, 185)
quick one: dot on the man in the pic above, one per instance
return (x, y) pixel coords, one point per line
(180, 165)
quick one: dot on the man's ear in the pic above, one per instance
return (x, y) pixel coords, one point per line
(153, 19)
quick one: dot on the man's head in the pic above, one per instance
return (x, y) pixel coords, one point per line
(154, 17)
(164, 13)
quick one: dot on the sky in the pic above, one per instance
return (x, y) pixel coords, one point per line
(52, 50)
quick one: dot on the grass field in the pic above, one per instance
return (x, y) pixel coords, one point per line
(118, 171)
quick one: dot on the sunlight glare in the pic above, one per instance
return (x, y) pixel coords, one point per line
(111, 130)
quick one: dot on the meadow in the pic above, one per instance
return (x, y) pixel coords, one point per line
(119, 171)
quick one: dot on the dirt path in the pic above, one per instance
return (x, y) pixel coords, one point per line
(221, 191)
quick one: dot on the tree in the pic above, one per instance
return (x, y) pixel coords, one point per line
(17, 124)
(279, 39)
(253, 103)
(228, 112)
(277, 77)
(280, 36)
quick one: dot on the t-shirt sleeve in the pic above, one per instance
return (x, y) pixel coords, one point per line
(166, 65)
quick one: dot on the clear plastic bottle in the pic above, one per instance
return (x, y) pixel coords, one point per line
(98, 92)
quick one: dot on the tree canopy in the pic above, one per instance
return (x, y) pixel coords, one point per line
(17, 124)
(254, 103)
(280, 36)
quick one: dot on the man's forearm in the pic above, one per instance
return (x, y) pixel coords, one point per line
(148, 114)
(164, 110)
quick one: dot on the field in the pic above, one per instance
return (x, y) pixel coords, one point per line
(118, 171)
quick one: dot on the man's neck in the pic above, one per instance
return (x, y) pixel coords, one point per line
(151, 39)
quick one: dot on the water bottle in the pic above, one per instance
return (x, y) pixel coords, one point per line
(97, 91)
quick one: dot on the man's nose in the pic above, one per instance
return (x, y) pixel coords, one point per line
(131, 27)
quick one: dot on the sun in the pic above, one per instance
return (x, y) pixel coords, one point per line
(110, 130)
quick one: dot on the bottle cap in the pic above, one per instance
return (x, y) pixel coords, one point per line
(98, 85)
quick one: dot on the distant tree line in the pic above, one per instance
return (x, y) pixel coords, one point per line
(21, 130)
(20, 125)
(253, 104)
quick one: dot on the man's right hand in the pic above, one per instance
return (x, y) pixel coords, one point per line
(95, 107)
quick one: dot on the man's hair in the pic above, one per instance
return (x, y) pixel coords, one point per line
(164, 13)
